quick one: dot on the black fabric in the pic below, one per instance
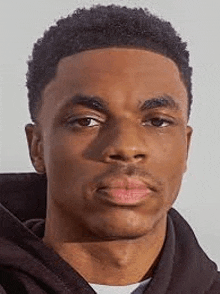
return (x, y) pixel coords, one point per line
(24, 194)
(28, 266)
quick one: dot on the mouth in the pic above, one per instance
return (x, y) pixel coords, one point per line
(125, 191)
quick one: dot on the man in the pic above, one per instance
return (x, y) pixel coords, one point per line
(109, 94)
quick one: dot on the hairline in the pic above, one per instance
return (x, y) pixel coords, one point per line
(150, 49)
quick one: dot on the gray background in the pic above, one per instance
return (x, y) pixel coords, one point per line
(198, 22)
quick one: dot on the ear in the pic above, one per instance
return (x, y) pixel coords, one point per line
(189, 132)
(35, 145)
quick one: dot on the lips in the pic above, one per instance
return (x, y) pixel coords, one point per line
(125, 191)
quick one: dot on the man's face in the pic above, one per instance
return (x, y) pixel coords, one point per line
(114, 137)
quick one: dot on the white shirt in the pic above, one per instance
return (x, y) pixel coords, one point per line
(137, 288)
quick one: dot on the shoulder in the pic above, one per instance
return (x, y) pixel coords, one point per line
(215, 288)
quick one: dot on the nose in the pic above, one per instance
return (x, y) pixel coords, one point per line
(124, 144)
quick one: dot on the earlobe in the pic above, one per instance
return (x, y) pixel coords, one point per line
(189, 136)
(35, 146)
(189, 132)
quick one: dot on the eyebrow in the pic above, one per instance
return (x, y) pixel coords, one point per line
(98, 103)
(92, 102)
(164, 101)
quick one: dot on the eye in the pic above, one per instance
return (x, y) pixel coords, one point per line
(157, 122)
(84, 122)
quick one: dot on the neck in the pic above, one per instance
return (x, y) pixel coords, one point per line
(109, 262)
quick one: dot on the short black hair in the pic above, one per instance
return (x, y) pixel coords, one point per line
(103, 27)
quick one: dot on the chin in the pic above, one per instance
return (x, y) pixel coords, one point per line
(123, 236)
(128, 229)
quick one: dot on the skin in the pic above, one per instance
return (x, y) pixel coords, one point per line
(82, 149)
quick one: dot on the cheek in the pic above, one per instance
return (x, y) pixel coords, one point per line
(171, 153)
(62, 150)
(65, 165)
(168, 164)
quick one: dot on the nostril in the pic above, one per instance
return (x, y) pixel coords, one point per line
(119, 157)
(116, 157)
(139, 156)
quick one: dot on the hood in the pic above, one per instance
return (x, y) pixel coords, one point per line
(183, 267)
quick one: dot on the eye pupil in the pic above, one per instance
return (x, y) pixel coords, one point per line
(157, 122)
(84, 121)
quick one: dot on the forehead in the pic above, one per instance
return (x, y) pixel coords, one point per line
(117, 62)
(118, 75)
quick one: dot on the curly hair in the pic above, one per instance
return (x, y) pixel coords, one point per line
(103, 27)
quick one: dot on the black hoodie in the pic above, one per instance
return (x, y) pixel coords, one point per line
(27, 265)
